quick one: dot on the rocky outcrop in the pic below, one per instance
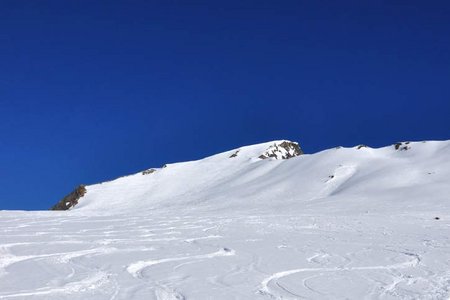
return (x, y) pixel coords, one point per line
(402, 146)
(149, 171)
(283, 150)
(235, 154)
(71, 199)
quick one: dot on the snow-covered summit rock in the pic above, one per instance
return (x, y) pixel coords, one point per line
(282, 149)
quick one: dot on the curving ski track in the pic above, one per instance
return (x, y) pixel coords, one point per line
(223, 256)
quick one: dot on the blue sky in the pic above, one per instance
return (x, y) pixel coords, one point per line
(93, 90)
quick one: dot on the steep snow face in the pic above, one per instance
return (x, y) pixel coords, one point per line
(359, 178)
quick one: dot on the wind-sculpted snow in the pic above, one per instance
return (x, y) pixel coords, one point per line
(49, 255)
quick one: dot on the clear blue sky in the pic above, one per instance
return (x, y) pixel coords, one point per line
(93, 90)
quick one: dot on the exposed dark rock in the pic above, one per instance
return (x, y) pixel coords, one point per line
(361, 146)
(284, 150)
(292, 146)
(149, 171)
(234, 154)
(437, 218)
(71, 199)
(402, 146)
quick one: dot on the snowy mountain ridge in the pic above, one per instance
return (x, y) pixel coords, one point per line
(278, 176)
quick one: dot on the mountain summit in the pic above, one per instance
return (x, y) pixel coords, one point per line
(278, 176)
(275, 150)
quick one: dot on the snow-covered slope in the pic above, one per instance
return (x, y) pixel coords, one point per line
(359, 178)
(259, 222)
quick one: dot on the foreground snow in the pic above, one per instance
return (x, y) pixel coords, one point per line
(232, 256)
(345, 223)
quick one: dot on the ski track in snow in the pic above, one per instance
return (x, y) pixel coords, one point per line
(136, 268)
(273, 279)
(238, 257)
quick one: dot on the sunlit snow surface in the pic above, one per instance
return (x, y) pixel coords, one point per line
(232, 256)
(369, 232)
